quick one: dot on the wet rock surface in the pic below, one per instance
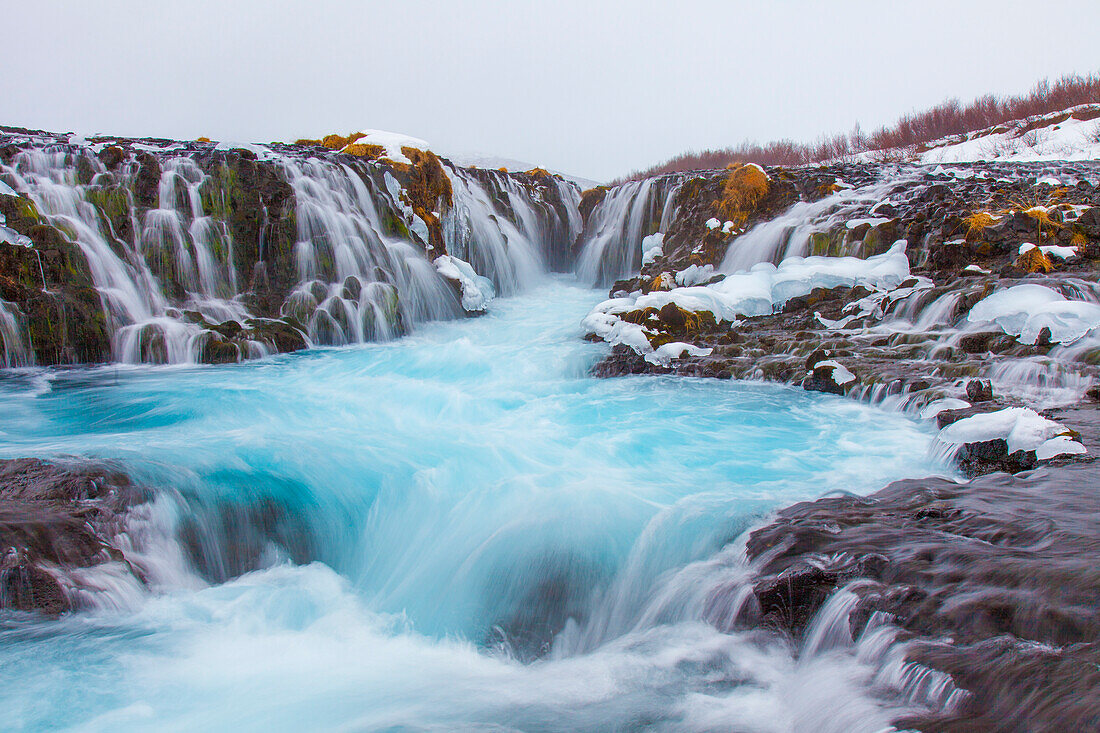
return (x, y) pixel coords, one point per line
(56, 516)
(996, 578)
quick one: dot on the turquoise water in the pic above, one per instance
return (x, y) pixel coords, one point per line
(458, 530)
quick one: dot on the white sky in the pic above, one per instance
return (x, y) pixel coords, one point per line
(592, 88)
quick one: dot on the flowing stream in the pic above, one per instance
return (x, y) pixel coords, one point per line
(456, 530)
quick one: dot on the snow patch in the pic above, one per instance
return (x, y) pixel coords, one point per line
(392, 142)
(1020, 427)
(477, 291)
(754, 292)
(841, 375)
(663, 355)
(1062, 445)
(694, 274)
(1025, 310)
(653, 247)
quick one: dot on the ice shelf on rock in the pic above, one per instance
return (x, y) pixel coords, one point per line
(477, 291)
(1025, 310)
(1020, 427)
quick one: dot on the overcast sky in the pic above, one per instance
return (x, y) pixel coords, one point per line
(587, 87)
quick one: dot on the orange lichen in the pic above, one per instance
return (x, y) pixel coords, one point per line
(746, 185)
(502, 169)
(202, 139)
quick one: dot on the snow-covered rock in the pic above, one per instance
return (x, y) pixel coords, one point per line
(477, 291)
(1020, 427)
(1025, 310)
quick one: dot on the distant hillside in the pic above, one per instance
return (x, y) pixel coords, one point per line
(944, 128)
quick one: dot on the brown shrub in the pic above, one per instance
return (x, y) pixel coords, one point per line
(745, 186)
(910, 132)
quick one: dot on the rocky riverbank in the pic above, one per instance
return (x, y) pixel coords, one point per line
(57, 518)
(991, 581)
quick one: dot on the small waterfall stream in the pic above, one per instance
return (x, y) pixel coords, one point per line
(611, 243)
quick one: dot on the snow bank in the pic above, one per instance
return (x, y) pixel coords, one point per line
(1021, 428)
(1069, 140)
(477, 291)
(755, 292)
(1024, 310)
(765, 287)
(392, 142)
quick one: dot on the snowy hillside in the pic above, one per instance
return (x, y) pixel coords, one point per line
(1072, 134)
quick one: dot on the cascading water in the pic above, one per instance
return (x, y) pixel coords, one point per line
(788, 235)
(400, 530)
(174, 280)
(611, 243)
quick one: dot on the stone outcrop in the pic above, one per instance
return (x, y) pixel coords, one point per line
(54, 517)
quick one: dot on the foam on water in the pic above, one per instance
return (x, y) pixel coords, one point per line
(487, 539)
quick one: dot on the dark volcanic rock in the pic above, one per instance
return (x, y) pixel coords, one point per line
(1006, 567)
(55, 516)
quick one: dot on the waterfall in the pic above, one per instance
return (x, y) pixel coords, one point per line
(15, 351)
(192, 264)
(789, 234)
(611, 243)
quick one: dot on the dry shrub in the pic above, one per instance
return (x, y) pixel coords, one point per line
(538, 172)
(745, 186)
(203, 139)
(911, 132)
(307, 141)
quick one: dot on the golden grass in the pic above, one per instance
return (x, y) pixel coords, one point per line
(745, 186)
(334, 141)
(1034, 260)
(362, 150)
(978, 221)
